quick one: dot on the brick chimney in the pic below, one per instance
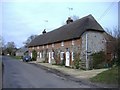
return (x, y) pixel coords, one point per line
(69, 20)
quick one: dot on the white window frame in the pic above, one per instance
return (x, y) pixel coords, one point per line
(52, 55)
(53, 45)
(61, 55)
(43, 46)
(38, 54)
(46, 46)
(62, 43)
(38, 47)
(72, 56)
(73, 42)
(33, 47)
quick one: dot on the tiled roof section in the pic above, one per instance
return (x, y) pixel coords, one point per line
(68, 31)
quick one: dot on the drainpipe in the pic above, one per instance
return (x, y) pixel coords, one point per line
(87, 66)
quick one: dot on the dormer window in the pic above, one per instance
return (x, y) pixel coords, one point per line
(62, 44)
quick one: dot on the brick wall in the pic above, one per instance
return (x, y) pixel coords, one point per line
(67, 44)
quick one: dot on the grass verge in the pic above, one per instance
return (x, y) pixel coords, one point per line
(107, 77)
(16, 57)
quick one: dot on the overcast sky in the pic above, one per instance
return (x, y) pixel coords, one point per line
(22, 18)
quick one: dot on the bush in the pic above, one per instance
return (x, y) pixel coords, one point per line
(98, 60)
(34, 55)
(77, 60)
(46, 56)
(56, 57)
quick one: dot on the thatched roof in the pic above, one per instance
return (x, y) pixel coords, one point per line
(69, 31)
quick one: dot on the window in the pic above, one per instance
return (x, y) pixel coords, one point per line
(33, 48)
(38, 54)
(52, 55)
(62, 43)
(73, 42)
(62, 55)
(72, 56)
(53, 45)
(43, 46)
(47, 46)
(37, 47)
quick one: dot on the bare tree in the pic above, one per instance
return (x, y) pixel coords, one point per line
(115, 44)
(29, 39)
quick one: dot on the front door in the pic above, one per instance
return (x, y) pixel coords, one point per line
(67, 59)
(49, 59)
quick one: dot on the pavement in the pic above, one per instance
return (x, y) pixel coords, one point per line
(77, 73)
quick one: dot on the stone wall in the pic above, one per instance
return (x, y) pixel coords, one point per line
(91, 42)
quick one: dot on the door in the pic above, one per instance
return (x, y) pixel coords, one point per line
(67, 59)
(49, 59)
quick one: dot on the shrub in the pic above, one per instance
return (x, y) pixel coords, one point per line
(46, 56)
(77, 60)
(56, 57)
(98, 60)
(34, 55)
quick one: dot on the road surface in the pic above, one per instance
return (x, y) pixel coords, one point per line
(18, 74)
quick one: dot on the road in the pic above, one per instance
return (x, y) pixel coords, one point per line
(18, 74)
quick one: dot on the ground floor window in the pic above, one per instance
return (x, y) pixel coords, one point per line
(52, 55)
(62, 55)
(38, 54)
(72, 55)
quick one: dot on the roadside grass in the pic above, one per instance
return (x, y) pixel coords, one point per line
(107, 77)
(16, 57)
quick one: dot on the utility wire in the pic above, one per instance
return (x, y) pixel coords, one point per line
(106, 11)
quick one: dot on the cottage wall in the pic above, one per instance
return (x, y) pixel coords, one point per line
(91, 42)
(71, 45)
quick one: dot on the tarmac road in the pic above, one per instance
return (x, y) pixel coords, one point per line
(18, 74)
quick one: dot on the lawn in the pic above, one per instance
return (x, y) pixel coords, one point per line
(107, 77)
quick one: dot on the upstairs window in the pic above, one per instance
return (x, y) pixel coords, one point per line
(43, 46)
(53, 45)
(33, 48)
(47, 46)
(37, 47)
(62, 44)
(73, 42)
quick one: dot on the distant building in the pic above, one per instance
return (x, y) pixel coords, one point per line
(21, 51)
(84, 36)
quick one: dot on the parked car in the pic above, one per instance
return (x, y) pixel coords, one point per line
(26, 58)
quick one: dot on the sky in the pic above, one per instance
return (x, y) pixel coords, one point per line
(22, 18)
